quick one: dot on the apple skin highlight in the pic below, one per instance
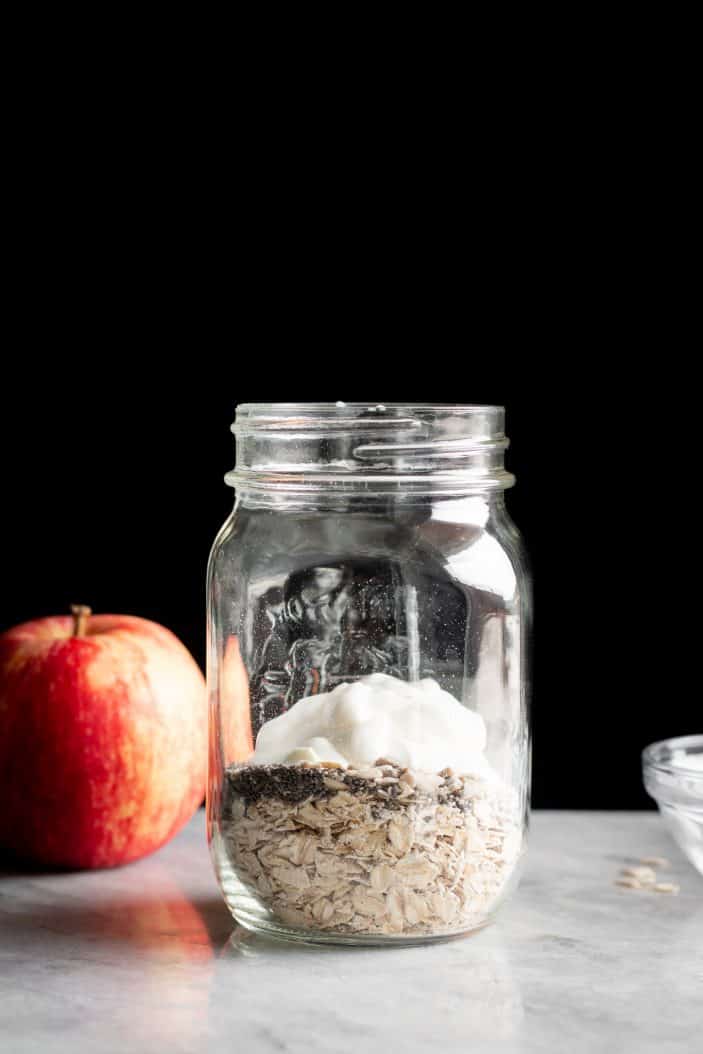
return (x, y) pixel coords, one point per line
(103, 739)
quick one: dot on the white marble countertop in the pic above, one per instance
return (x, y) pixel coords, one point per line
(144, 958)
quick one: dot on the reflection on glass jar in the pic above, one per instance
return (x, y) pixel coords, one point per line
(368, 614)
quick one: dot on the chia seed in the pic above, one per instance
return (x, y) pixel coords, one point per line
(291, 783)
(297, 783)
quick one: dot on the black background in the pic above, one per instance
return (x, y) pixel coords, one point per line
(167, 261)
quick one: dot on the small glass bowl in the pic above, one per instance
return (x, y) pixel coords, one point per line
(673, 776)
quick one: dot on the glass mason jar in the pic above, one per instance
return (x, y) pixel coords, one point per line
(368, 625)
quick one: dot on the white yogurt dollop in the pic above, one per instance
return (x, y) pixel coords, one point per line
(416, 724)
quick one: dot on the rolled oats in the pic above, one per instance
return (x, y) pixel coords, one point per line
(373, 850)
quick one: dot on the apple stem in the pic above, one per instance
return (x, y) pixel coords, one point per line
(81, 613)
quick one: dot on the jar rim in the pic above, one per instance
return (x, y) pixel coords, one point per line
(460, 407)
(249, 413)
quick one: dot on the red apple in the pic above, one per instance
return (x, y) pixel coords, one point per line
(103, 738)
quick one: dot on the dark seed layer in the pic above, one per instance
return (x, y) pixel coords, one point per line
(299, 783)
(291, 783)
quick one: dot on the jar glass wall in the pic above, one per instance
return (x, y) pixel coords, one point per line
(368, 623)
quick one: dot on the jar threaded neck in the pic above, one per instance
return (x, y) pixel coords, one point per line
(380, 448)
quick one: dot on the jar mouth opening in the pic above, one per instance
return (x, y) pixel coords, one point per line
(312, 406)
(486, 420)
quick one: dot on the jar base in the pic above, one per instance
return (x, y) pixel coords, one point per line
(277, 931)
(248, 912)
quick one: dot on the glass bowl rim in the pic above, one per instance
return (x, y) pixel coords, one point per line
(652, 760)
